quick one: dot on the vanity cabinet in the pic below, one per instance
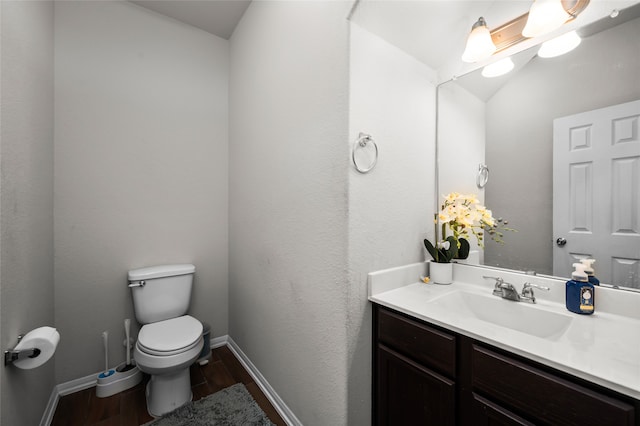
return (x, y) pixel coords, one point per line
(414, 386)
(425, 375)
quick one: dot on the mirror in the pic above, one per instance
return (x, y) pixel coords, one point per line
(507, 123)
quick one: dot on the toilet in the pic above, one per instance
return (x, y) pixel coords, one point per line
(169, 340)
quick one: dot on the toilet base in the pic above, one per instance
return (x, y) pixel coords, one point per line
(166, 392)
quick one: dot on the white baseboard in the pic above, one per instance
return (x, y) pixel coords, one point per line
(63, 389)
(216, 342)
(50, 409)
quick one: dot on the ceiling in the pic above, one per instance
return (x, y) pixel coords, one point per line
(433, 31)
(218, 17)
(407, 23)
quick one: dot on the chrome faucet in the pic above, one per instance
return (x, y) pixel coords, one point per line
(527, 291)
(504, 289)
(508, 291)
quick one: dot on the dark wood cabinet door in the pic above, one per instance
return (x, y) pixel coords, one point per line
(410, 394)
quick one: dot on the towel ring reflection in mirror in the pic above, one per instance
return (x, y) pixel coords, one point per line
(483, 175)
(362, 142)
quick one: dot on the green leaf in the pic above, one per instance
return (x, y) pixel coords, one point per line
(442, 255)
(431, 249)
(453, 248)
(463, 250)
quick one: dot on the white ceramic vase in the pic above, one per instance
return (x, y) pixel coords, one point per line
(441, 273)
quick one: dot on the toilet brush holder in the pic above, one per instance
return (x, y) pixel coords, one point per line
(123, 377)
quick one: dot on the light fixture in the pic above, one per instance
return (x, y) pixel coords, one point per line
(544, 17)
(497, 69)
(479, 43)
(559, 45)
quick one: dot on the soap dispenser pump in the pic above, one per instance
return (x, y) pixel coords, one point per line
(580, 293)
(591, 274)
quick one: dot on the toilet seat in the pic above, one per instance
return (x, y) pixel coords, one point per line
(170, 337)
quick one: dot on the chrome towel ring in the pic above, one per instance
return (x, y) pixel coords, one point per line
(483, 175)
(362, 142)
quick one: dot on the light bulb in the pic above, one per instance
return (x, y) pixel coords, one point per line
(479, 43)
(544, 17)
(559, 45)
(497, 69)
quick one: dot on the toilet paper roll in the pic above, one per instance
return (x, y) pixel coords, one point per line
(44, 338)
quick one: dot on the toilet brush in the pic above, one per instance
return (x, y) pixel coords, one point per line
(105, 343)
(127, 327)
(127, 332)
(124, 376)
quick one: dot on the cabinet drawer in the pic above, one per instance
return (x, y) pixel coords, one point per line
(426, 345)
(542, 396)
(486, 413)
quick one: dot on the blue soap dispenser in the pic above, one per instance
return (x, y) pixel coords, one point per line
(591, 274)
(580, 293)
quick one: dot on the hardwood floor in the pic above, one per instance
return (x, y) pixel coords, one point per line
(128, 408)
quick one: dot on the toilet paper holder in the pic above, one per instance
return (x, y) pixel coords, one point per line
(12, 355)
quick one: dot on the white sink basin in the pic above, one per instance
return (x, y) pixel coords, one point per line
(520, 316)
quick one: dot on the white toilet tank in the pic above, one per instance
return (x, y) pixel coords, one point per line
(161, 292)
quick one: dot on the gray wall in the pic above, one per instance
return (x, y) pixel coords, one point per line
(520, 117)
(26, 199)
(288, 201)
(391, 97)
(140, 132)
(141, 169)
(306, 228)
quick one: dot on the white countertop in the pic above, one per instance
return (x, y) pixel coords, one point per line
(603, 348)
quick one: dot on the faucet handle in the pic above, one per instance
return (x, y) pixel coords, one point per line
(528, 285)
(497, 289)
(527, 291)
(499, 280)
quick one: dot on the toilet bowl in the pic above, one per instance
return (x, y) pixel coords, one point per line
(165, 350)
(169, 340)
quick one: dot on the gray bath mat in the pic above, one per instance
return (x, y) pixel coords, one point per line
(233, 406)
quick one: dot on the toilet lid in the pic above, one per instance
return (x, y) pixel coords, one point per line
(170, 335)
